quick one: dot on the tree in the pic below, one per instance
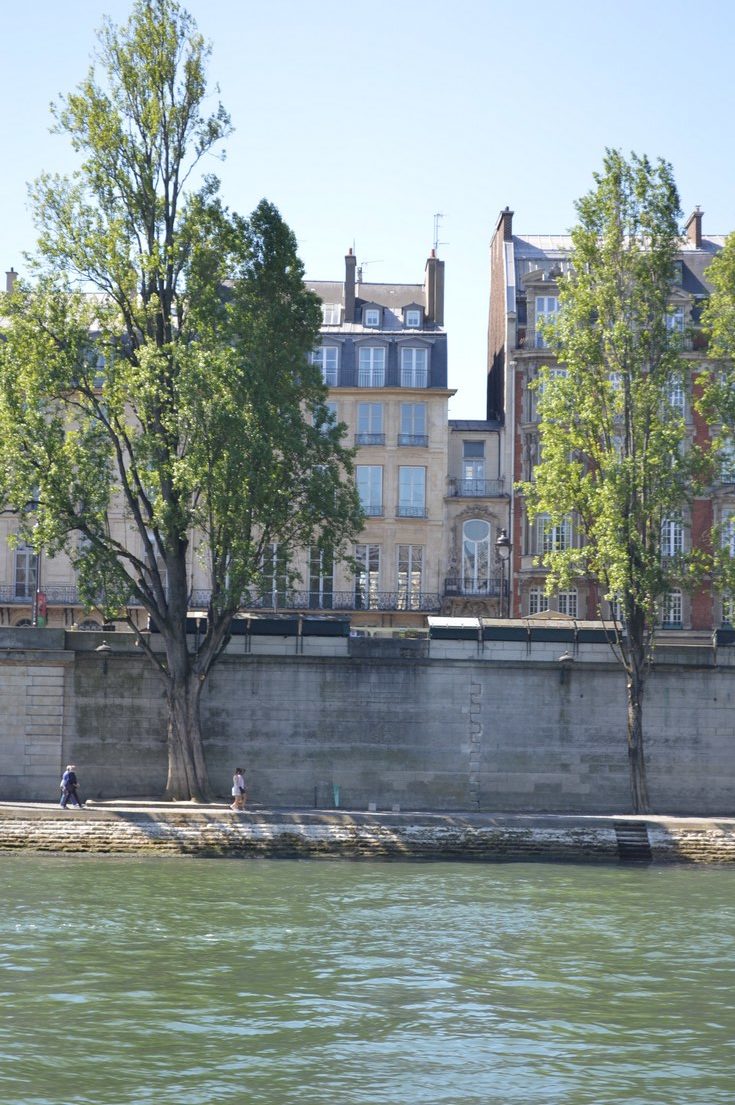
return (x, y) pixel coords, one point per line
(156, 400)
(614, 452)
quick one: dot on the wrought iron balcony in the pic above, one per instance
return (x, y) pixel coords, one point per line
(408, 510)
(55, 596)
(344, 600)
(490, 587)
(476, 489)
(369, 439)
(420, 441)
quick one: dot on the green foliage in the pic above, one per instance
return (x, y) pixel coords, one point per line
(154, 382)
(615, 454)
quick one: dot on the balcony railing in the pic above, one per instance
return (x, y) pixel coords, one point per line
(373, 510)
(345, 600)
(419, 440)
(369, 439)
(694, 341)
(476, 489)
(458, 585)
(408, 510)
(57, 596)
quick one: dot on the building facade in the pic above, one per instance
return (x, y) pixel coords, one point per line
(524, 273)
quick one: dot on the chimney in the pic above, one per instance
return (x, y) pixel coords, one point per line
(434, 289)
(350, 265)
(693, 228)
(505, 225)
(10, 279)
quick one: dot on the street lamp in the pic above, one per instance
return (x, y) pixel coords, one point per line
(503, 548)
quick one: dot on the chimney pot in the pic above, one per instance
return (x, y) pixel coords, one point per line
(10, 279)
(693, 228)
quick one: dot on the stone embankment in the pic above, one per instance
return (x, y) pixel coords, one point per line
(162, 829)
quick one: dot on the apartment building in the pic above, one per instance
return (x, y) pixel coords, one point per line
(524, 271)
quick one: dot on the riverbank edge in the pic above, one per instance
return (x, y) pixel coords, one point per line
(153, 828)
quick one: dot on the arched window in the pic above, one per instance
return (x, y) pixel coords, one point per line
(476, 561)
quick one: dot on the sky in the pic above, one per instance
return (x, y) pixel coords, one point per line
(362, 122)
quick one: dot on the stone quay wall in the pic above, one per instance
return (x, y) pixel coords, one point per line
(438, 725)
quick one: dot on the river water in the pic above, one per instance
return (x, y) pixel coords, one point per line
(210, 982)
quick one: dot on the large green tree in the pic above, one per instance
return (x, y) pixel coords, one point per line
(156, 400)
(614, 452)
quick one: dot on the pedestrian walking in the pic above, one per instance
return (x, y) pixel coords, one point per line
(238, 790)
(70, 788)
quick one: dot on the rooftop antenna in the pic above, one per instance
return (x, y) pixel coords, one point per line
(364, 265)
(437, 220)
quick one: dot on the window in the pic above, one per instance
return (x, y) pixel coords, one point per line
(671, 612)
(331, 314)
(676, 396)
(728, 608)
(473, 468)
(371, 371)
(672, 537)
(321, 580)
(727, 532)
(552, 538)
(413, 424)
(410, 576)
(414, 368)
(547, 307)
(412, 318)
(274, 577)
(370, 488)
(327, 359)
(476, 556)
(369, 424)
(567, 602)
(411, 492)
(26, 572)
(371, 317)
(727, 463)
(538, 600)
(367, 577)
(675, 320)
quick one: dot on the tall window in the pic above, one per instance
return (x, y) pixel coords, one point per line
(370, 488)
(672, 537)
(413, 424)
(26, 572)
(331, 314)
(476, 556)
(370, 424)
(671, 611)
(414, 368)
(326, 357)
(371, 367)
(274, 578)
(473, 467)
(727, 463)
(676, 397)
(728, 608)
(567, 602)
(552, 538)
(411, 492)
(547, 307)
(367, 577)
(675, 320)
(410, 576)
(321, 580)
(538, 600)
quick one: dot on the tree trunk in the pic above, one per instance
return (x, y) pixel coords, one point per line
(187, 771)
(636, 757)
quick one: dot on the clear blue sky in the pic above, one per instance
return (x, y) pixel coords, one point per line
(362, 121)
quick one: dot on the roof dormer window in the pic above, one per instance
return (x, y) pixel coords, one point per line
(371, 316)
(412, 318)
(331, 313)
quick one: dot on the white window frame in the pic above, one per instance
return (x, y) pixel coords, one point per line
(546, 309)
(25, 571)
(367, 576)
(410, 576)
(371, 366)
(371, 317)
(477, 559)
(552, 538)
(672, 609)
(568, 602)
(414, 366)
(327, 358)
(412, 318)
(413, 424)
(672, 537)
(369, 424)
(369, 479)
(538, 600)
(411, 491)
(331, 314)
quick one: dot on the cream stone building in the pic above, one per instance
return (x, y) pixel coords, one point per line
(433, 490)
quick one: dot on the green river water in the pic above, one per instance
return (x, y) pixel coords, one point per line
(210, 982)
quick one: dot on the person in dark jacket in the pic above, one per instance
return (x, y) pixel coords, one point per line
(70, 788)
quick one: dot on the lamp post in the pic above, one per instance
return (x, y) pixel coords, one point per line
(503, 548)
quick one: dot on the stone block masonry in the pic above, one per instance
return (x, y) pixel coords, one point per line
(467, 729)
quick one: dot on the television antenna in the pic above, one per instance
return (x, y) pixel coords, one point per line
(437, 221)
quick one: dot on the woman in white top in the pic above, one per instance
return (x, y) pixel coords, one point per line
(238, 790)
